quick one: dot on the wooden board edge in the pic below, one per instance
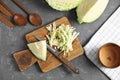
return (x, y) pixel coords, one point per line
(21, 67)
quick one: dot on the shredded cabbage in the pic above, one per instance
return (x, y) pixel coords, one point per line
(61, 37)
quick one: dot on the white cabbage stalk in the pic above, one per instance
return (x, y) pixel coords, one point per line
(62, 36)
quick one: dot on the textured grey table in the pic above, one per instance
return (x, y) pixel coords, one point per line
(13, 40)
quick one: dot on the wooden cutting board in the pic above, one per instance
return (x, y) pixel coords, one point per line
(52, 62)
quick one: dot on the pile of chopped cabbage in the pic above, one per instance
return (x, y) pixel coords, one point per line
(61, 36)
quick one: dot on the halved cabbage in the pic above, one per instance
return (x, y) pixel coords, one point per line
(63, 5)
(90, 10)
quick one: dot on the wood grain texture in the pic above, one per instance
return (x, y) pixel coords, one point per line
(24, 59)
(5, 6)
(5, 11)
(6, 21)
(51, 61)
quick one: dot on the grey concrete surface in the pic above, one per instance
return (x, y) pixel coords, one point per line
(12, 40)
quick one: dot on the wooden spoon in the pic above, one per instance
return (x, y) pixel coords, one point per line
(18, 19)
(34, 18)
(109, 55)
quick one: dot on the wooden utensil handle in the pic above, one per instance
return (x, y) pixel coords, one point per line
(6, 21)
(2, 3)
(4, 10)
(21, 6)
(68, 64)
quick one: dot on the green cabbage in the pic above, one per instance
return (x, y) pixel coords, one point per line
(90, 10)
(63, 5)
